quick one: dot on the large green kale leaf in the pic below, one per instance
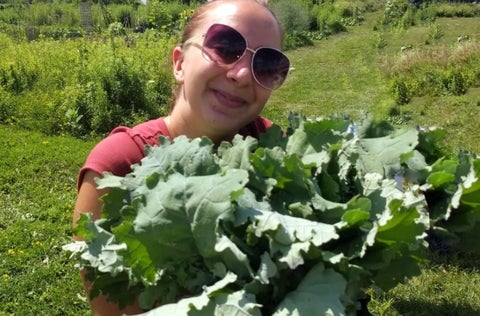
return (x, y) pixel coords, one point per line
(292, 224)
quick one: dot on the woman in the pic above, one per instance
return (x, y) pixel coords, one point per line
(226, 68)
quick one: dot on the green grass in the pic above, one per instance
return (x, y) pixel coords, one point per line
(343, 75)
(346, 74)
(37, 194)
(449, 285)
(339, 75)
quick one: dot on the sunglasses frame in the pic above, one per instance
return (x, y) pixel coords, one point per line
(207, 57)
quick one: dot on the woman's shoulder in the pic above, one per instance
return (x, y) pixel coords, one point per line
(146, 132)
(123, 147)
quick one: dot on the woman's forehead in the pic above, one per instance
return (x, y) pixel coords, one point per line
(250, 19)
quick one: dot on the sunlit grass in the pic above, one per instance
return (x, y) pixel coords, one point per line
(348, 74)
(337, 76)
(37, 194)
(449, 285)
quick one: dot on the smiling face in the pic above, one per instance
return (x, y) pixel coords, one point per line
(216, 101)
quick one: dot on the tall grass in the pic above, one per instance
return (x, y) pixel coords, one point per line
(445, 9)
(437, 71)
(86, 85)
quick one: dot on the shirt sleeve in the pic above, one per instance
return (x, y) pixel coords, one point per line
(115, 153)
(122, 148)
(125, 146)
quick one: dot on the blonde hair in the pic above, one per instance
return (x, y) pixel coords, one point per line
(197, 16)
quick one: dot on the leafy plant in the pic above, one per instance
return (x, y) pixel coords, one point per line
(397, 14)
(399, 91)
(434, 34)
(293, 15)
(446, 9)
(440, 71)
(334, 208)
(329, 19)
(159, 16)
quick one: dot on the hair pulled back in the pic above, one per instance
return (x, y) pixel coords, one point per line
(198, 15)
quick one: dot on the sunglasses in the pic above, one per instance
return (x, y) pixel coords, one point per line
(224, 46)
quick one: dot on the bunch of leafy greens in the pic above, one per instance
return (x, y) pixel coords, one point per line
(295, 224)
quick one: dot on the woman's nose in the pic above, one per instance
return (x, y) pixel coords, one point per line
(241, 71)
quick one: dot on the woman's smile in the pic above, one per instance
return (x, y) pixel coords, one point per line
(229, 100)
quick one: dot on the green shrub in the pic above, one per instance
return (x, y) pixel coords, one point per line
(429, 81)
(15, 32)
(334, 17)
(329, 20)
(85, 86)
(125, 15)
(55, 13)
(124, 87)
(351, 14)
(8, 107)
(399, 91)
(34, 20)
(395, 10)
(435, 72)
(159, 17)
(380, 41)
(18, 77)
(455, 82)
(293, 15)
(297, 39)
(399, 14)
(88, 111)
(445, 9)
(425, 14)
(128, 87)
(435, 33)
(116, 29)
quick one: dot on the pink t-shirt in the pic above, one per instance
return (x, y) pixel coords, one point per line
(125, 146)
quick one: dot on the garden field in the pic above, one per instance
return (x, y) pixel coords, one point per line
(54, 106)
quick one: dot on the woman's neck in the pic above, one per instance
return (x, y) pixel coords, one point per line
(178, 125)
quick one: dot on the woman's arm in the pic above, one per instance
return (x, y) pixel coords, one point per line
(88, 200)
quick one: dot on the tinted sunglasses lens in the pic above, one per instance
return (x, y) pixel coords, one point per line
(270, 67)
(223, 44)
